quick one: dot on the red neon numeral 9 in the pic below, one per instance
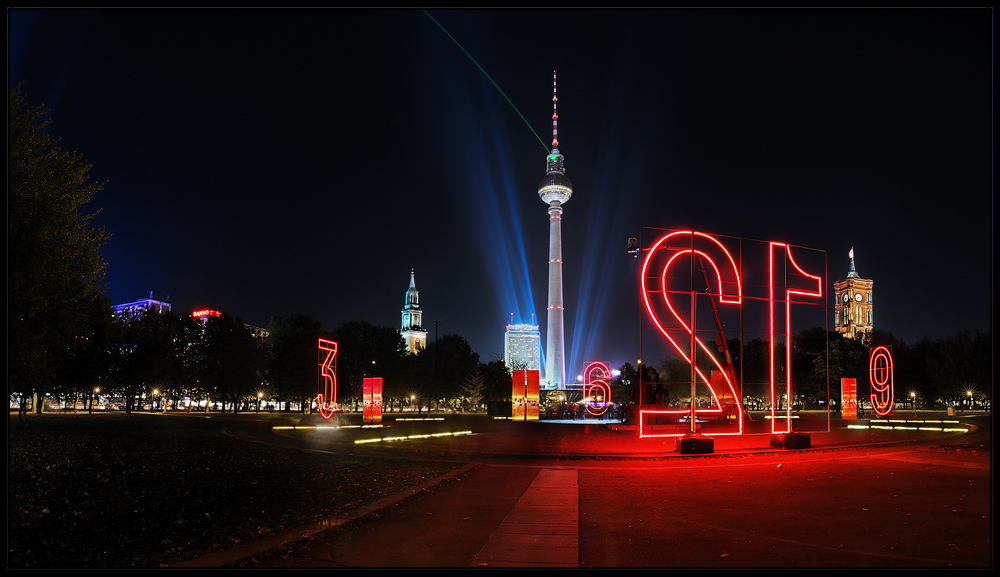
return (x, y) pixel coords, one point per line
(880, 372)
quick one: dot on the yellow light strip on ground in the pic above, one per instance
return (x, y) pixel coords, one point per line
(411, 437)
(904, 428)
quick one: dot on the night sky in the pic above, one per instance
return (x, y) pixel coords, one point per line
(272, 162)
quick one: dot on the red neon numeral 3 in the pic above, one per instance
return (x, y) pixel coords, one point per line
(326, 401)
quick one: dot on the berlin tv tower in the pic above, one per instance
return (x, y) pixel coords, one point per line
(554, 190)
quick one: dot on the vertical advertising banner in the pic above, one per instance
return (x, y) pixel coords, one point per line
(532, 396)
(524, 396)
(849, 398)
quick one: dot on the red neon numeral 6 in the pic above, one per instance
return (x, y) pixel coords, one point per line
(596, 376)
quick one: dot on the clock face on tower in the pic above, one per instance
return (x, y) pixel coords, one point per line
(857, 297)
(847, 297)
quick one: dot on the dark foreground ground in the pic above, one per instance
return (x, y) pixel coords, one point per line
(142, 490)
(518, 494)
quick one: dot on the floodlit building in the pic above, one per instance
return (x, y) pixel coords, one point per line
(853, 308)
(522, 348)
(412, 329)
(159, 307)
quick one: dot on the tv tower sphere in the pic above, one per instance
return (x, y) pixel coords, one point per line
(554, 190)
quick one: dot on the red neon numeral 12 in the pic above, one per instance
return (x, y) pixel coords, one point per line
(681, 256)
(785, 272)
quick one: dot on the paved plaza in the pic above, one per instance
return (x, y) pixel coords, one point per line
(570, 495)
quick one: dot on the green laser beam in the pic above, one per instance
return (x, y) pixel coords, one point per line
(490, 79)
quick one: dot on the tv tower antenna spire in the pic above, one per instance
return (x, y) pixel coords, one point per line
(555, 117)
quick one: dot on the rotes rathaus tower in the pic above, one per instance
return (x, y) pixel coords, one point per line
(554, 190)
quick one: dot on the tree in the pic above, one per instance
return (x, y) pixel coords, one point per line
(146, 354)
(474, 389)
(293, 343)
(443, 366)
(627, 382)
(960, 367)
(55, 268)
(366, 350)
(497, 380)
(88, 365)
(230, 362)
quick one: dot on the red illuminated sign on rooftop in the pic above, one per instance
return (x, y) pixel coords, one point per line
(206, 313)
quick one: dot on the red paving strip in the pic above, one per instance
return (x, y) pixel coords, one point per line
(542, 528)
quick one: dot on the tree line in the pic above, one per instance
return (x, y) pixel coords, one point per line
(954, 370)
(143, 358)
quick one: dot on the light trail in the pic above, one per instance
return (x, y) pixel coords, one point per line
(495, 85)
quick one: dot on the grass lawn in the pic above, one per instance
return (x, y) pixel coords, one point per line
(117, 491)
